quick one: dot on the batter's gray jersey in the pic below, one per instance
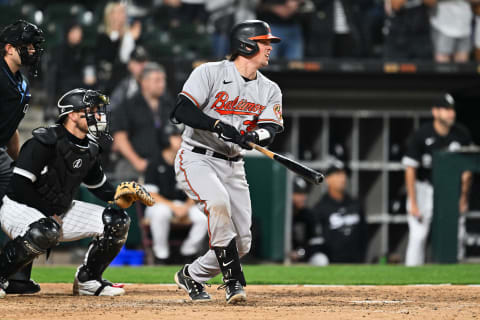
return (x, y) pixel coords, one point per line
(218, 89)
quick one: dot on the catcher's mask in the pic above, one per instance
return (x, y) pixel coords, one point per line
(244, 37)
(20, 34)
(86, 101)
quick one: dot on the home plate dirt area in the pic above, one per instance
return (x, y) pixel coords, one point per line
(144, 302)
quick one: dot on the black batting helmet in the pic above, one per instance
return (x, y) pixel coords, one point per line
(20, 34)
(244, 35)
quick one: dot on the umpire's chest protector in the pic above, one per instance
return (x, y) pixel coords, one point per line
(61, 178)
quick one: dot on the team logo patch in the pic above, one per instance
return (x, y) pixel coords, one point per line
(277, 109)
(77, 163)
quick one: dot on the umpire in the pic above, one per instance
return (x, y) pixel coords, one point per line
(20, 45)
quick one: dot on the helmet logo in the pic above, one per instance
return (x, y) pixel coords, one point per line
(77, 163)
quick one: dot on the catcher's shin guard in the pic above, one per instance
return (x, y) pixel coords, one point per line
(20, 282)
(17, 253)
(104, 249)
(229, 262)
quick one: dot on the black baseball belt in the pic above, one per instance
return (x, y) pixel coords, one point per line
(215, 154)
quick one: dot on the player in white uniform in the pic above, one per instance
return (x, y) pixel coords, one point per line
(441, 134)
(224, 105)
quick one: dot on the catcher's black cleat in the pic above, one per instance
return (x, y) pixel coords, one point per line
(195, 289)
(3, 287)
(234, 292)
(22, 287)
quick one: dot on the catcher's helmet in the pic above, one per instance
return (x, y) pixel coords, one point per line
(20, 34)
(244, 35)
(81, 99)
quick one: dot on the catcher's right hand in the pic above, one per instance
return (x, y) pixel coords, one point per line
(129, 192)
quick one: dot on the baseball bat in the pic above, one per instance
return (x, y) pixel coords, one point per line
(309, 174)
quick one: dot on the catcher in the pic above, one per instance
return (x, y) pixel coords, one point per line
(38, 211)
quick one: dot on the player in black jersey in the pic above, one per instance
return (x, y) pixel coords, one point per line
(38, 210)
(20, 45)
(441, 133)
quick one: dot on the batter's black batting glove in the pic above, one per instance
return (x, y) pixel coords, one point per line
(248, 137)
(227, 132)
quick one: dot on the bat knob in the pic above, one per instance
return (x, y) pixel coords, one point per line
(319, 178)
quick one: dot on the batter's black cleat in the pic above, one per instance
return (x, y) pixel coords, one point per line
(22, 287)
(195, 290)
(234, 292)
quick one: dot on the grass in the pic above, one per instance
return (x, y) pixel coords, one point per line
(298, 274)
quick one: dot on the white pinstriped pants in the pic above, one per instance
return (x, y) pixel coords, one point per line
(83, 220)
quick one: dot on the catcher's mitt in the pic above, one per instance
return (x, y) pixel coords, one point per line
(129, 192)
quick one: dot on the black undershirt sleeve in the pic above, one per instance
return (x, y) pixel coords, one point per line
(105, 192)
(187, 113)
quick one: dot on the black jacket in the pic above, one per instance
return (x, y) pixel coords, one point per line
(343, 228)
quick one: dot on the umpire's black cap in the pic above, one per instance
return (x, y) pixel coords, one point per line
(444, 101)
(21, 32)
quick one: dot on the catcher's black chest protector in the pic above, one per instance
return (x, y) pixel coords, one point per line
(61, 178)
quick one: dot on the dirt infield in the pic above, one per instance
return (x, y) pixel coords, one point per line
(264, 302)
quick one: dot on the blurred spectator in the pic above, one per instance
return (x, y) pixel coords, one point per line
(71, 67)
(130, 84)
(340, 219)
(451, 22)
(193, 11)
(114, 45)
(284, 19)
(223, 15)
(336, 29)
(302, 222)
(407, 28)
(441, 134)
(171, 202)
(476, 38)
(136, 121)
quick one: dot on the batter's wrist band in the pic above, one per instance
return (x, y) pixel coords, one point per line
(262, 134)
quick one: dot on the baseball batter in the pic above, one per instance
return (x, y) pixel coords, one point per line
(224, 105)
(442, 133)
(38, 211)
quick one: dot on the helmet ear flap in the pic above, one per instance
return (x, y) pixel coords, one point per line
(248, 47)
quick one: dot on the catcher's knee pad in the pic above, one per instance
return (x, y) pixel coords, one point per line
(116, 223)
(41, 236)
(229, 262)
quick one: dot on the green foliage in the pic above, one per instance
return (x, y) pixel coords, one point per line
(298, 274)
